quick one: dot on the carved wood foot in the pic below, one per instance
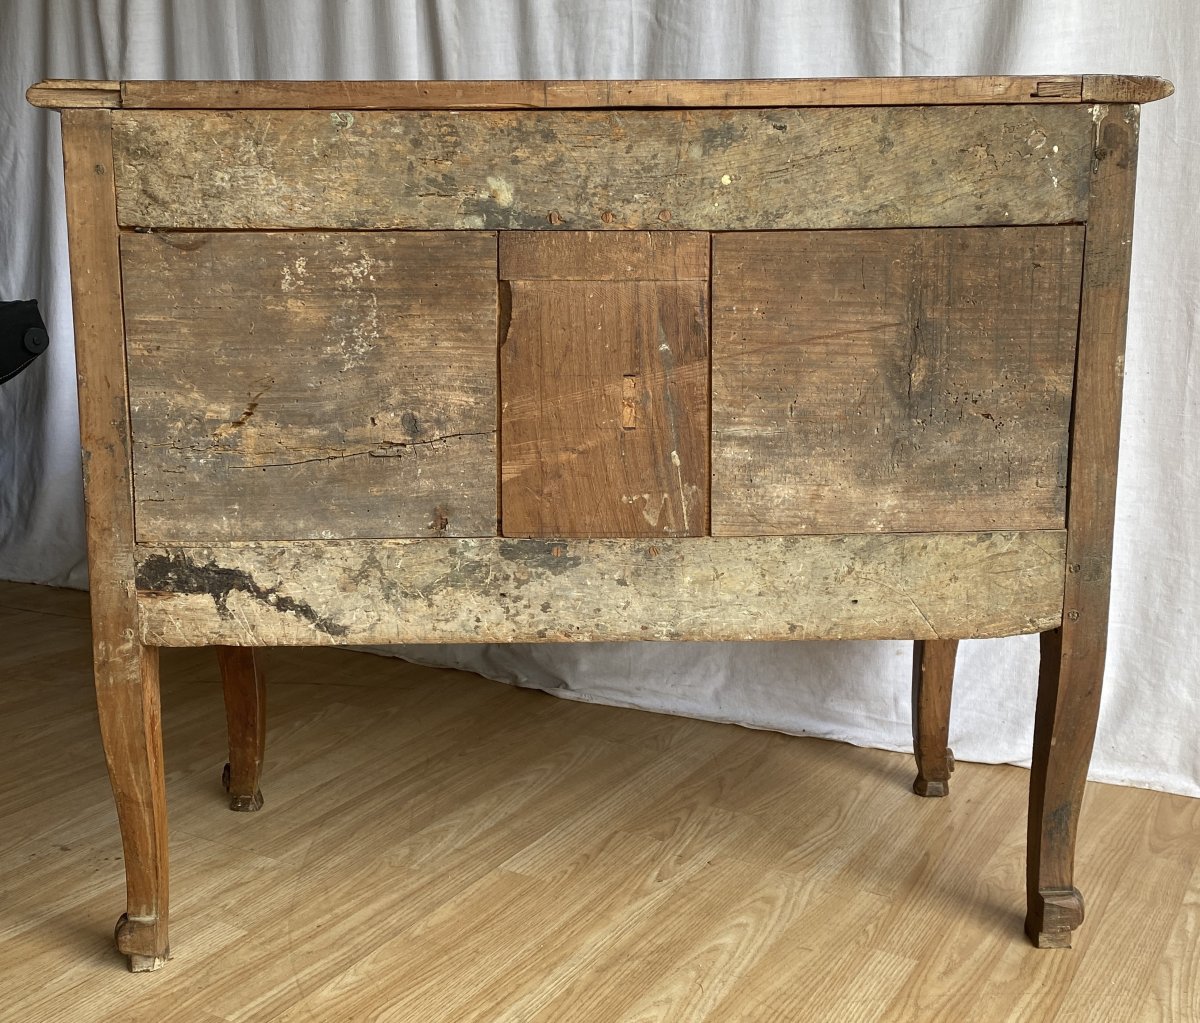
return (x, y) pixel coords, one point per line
(1053, 915)
(144, 941)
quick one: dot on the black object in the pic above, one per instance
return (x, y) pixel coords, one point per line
(23, 337)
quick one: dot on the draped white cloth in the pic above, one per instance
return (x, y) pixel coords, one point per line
(852, 691)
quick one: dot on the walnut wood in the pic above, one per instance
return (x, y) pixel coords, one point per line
(126, 672)
(1072, 668)
(933, 686)
(633, 169)
(353, 395)
(1124, 89)
(958, 350)
(596, 256)
(245, 691)
(604, 387)
(69, 93)
(857, 586)
(420, 95)
(892, 380)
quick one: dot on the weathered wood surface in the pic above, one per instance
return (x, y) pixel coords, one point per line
(932, 692)
(419, 95)
(698, 169)
(1124, 89)
(1072, 670)
(460, 95)
(892, 380)
(126, 673)
(312, 385)
(598, 256)
(73, 93)
(604, 389)
(861, 586)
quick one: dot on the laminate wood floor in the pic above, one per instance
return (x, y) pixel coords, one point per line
(436, 847)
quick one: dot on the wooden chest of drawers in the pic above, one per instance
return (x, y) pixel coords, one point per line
(463, 362)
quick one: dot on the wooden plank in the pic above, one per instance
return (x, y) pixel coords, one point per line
(583, 170)
(492, 95)
(595, 256)
(858, 586)
(66, 93)
(500, 95)
(604, 395)
(312, 385)
(1124, 89)
(892, 380)
(1072, 671)
(126, 672)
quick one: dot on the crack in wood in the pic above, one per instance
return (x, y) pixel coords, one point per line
(385, 449)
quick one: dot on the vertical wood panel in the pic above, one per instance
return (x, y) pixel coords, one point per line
(604, 393)
(892, 380)
(312, 385)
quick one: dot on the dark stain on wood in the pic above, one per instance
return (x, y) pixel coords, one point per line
(178, 573)
(549, 555)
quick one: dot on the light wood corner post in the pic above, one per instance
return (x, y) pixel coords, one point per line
(126, 672)
(1072, 665)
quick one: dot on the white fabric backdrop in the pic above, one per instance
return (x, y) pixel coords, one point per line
(853, 691)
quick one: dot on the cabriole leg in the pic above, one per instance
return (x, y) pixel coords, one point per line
(1068, 704)
(933, 685)
(131, 727)
(246, 714)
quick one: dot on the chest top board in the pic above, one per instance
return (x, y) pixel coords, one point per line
(376, 362)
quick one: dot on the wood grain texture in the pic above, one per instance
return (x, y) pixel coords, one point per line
(907, 586)
(892, 380)
(416, 95)
(604, 389)
(704, 169)
(1125, 89)
(467, 95)
(334, 385)
(932, 690)
(126, 672)
(245, 688)
(1072, 670)
(498, 95)
(597, 256)
(475, 850)
(71, 93)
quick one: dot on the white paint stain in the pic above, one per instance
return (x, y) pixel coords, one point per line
(293, 275)
(341, 120)
(726, 179)
(653, 516)
(683, 501)
(501, 191)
